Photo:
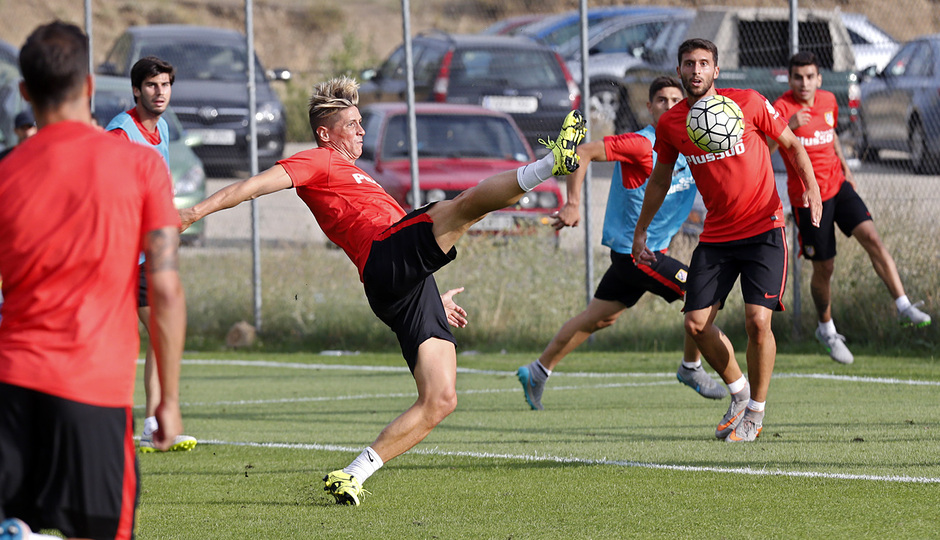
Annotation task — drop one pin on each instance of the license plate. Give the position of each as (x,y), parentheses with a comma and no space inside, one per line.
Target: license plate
(512,104)
(215,137)
(497,221)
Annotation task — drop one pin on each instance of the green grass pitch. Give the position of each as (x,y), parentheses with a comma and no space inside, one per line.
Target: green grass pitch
(621,451)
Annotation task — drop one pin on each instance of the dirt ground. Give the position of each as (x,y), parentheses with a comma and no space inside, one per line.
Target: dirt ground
(313,37)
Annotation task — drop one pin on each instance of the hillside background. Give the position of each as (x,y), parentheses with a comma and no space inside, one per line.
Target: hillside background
(321,37)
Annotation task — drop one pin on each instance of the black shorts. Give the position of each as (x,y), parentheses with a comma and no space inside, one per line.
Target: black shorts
(846,209)
(142,288)
(626,282)
(760,260)
(399,282)
(67,465)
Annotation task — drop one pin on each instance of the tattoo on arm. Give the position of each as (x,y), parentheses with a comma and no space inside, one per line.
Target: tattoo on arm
(162,249)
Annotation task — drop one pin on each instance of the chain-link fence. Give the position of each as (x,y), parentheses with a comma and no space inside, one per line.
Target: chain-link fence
(886,80)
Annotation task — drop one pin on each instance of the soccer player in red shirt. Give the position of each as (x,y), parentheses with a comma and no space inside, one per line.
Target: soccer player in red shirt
(396,254)
(79,206)
(152,84)
(743,233)
(812,114)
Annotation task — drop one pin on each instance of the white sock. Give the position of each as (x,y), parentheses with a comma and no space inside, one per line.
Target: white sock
(737,385)
(150,425)
(535,173)
(902,302)
(827,328)
(756,406)
(363,466)
(692,365)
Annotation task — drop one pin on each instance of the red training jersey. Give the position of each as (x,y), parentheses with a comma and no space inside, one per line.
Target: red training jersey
(77,203)
(631,149)
(153,137)
(818,137)
(349,205)
(737,186)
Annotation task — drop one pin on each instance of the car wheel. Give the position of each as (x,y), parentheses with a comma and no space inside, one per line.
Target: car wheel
(922,161)
(863,150)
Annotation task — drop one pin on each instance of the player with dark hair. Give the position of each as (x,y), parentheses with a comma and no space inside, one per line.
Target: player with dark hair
(625,283)
(743,233)
(79,207)
(152,83)
(396,254)
(812,113)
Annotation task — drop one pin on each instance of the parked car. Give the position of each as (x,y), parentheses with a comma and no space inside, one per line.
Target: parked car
(618,46)
(458,146)
(210,94)
(113,95)
(558,29)
(899,106)
(11,102)
(509,74)
(510,26)
(872,45)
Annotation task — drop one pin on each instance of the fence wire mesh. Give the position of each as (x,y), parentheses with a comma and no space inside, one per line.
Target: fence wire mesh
(879,58)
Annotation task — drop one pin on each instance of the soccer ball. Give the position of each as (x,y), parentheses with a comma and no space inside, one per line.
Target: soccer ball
(715,123)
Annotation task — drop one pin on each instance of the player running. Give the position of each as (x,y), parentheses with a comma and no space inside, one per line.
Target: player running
(812,113)
(396,253)
(625,283)
(743,233)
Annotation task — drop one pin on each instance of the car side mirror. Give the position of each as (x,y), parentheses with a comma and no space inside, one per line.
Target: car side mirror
(279,74)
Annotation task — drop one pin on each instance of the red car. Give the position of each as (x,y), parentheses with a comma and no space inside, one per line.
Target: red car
(458,146)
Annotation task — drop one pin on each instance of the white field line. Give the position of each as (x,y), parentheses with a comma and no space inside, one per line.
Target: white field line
(402,369)
(583,461)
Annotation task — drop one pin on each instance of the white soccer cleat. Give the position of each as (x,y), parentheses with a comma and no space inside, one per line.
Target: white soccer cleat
(913,316)
(835,344)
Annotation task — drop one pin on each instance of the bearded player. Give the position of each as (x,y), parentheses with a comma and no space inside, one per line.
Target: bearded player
(743,235)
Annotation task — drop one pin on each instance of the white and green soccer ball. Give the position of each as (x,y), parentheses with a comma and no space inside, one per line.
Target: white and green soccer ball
(715,123)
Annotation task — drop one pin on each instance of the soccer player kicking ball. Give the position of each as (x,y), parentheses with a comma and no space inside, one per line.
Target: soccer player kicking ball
(624,282)
(812,114)
(743,233)
(396,254)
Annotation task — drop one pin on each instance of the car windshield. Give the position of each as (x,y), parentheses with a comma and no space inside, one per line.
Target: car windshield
(204,61)
(455,136)
(512,68)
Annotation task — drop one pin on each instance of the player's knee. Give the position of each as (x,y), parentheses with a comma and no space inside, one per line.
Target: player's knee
(604,323)
(694,328)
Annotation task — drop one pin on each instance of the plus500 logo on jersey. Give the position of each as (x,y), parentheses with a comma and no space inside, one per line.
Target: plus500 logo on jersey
(701,159)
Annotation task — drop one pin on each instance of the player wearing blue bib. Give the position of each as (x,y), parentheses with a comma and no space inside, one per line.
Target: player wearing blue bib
(625,282)
(152,83)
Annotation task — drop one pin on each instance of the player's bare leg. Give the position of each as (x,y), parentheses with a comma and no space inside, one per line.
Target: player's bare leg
(598,315)
(713,343)
(881,260)
(820,288)
(761,349)
(436,380)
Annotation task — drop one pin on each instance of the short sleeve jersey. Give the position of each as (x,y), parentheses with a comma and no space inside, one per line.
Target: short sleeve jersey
(349,205)
(737,186)
(634,157)
(77,204)
(818,137)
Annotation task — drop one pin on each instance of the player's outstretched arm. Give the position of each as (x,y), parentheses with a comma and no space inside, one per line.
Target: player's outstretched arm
(271,180)
(846,171)
(456,315)
(570,213)
(791,145)
(167,327)
(656,188)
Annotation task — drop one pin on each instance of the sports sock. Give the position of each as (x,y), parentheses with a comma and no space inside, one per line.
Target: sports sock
(827,328)
(538,372)
(692,365)
(902,302)
(365,465)
(737,386)
(150,425)
(756,406)
(535,173)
